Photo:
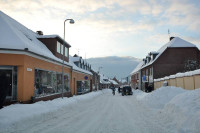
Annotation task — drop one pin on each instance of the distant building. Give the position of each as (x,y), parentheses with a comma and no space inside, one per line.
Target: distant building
(104,82)
(170,59)
(115,79)
(84,84)
(95,80)
(113,83)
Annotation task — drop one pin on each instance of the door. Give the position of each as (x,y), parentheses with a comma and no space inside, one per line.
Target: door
(6,79)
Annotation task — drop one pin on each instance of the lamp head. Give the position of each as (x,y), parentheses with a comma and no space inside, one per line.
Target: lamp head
(71,21)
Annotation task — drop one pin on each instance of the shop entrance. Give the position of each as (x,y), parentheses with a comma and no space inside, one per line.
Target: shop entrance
(8,79)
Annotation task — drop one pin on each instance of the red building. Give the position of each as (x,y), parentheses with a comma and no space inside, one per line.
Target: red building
(176,56)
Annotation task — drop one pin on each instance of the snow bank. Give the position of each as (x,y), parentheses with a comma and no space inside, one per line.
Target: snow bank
(158,98)
(175,108)
(18,112)
(184,110)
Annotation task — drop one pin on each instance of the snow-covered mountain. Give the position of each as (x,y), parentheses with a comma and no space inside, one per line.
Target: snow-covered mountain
(114,66)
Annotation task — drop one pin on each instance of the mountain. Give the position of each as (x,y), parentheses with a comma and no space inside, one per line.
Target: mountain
(114,66)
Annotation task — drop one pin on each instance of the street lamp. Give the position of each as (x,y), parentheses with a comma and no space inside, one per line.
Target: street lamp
(71,21)
(99,69)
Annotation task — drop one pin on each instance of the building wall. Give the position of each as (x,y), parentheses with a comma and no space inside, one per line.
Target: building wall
(135,80)
(173,60)
(77,76)
(25,83)
(51,44)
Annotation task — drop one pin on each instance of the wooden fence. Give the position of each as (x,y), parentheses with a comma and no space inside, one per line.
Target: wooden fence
(189,80)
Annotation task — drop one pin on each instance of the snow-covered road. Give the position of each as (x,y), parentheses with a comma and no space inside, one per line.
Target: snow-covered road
(106,113)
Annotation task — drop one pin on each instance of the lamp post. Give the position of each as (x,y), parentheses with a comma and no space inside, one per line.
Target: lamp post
(99,69)
(71,21)
(99,75)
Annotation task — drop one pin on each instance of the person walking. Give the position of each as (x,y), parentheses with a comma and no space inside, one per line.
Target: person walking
(113,91)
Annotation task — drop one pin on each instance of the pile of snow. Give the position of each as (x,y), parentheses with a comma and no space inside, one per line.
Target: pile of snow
(183,112)
(158,98)
(17,112)
(174,107)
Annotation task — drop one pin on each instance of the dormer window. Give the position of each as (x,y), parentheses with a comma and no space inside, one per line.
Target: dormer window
(66,51)
(61,49)
(58,47)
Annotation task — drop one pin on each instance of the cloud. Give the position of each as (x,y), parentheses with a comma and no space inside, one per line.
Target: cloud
(183,13)
(134,26)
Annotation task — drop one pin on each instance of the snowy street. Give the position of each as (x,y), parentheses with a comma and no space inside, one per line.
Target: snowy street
(101,112)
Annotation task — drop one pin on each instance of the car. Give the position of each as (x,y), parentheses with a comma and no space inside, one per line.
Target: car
(127,90)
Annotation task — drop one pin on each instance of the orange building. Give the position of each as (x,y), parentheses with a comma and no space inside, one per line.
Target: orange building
(31,64)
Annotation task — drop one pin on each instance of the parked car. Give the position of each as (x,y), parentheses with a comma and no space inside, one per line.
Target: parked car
(127,90)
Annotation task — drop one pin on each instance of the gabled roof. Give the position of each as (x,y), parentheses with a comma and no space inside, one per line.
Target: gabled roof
(138,67)
(76,59)
(71,61)
(15,36)
(176,42)
(113,82)
(103,78)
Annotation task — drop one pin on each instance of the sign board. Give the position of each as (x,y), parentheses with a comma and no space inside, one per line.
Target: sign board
(144,78)
(29,69)
(86,77)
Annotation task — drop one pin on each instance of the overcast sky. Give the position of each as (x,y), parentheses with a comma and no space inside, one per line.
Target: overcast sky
(110,27)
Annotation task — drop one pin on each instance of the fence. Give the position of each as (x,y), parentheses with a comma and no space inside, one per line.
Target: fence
(188,80)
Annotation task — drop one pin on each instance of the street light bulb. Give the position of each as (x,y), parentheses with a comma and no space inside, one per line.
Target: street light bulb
(71,21)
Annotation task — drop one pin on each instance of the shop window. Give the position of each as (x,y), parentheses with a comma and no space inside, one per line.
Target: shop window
(49,82)
(83,86)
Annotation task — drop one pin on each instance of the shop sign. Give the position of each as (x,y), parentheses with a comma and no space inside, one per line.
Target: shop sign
(86,77)
(29,69)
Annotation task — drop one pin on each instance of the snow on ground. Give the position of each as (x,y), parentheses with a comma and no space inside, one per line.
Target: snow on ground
(165,110)
(18,112)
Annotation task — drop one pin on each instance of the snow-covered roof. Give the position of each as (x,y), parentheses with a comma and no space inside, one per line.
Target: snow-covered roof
(71,61)
(153,52)
(104,79)
(176,42)
(113,82)
(76,59)
(138,67)
(15,36)
(54,36)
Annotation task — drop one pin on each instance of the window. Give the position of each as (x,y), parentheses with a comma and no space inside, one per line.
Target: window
(49,82)
(61,49)
(58,47)
(66,51)
(146,72)
(149,71)
(83,86)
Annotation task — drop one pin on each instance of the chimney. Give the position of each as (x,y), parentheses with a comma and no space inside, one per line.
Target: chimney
(171,38)
(39,32)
